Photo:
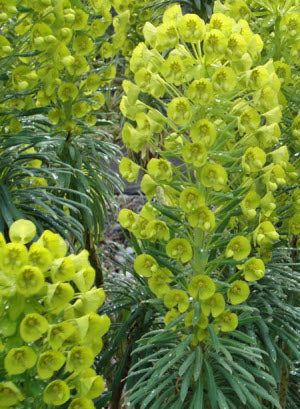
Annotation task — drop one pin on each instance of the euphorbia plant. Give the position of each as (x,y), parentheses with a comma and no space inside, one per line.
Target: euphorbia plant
(50,329)
(211,222)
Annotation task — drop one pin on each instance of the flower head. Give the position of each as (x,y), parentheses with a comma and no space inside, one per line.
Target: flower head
(158,282)
(214,305)
(214,175)
(194,153)
(177,297)
(191,199)
(32,327)
(191,28)
(79,358)
(179,110)
(203,218)
(253,159)
(56,393)
(22,231)
(18,360)
(227,321)
(253,269)
(238,248)
(10,395)
(203,131)
(202,286)
(49,362)
(129,170)
(238,292)
(29,280)
(145,265)
(179,249)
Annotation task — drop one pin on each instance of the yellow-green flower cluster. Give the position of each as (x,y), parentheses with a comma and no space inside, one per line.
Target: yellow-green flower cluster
(221,117)
(58,43)
(50,330)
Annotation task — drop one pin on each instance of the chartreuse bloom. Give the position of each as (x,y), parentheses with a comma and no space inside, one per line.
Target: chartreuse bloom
(248,122)
(49,362)
(194,153)
(180,110)
(160,169)
(58,296)
(82,403)
(294,223)
(134,139)
(238,292)
(59,333)
(265,233)
(202,286)
(22,231)
(62,269)
(191,28)
(202,218)
(215,44)
(224,80)
(200,91)
(249,204)
(10,395)
(13,257)
(79,358)
(56,393)
(84,278)
(238,248)
(214,175)
(267,204)
(253,159)
(157,230)
(67,91)
(177,297)
(227,321)
(203,131)
(166,36)
(129,170)
(214,305)
(145,265)
(180,250)
(32,327)
(191,199)
(158,282)
(173,70)
(127,218)
(253,269)
(54,243)
(29,280)
(91,300)
(89,384)
(18,360)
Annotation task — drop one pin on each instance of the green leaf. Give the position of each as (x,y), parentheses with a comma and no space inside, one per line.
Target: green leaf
(198,363)
(221,400)
(187,363)
(186,383)
(197,402)
(211,385)
(214,338)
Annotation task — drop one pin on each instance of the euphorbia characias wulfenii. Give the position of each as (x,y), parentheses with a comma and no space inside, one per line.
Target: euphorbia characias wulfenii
(220,112)
(50,330)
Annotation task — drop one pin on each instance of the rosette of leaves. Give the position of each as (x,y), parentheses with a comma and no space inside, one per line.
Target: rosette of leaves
(50,329)
(210,225)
